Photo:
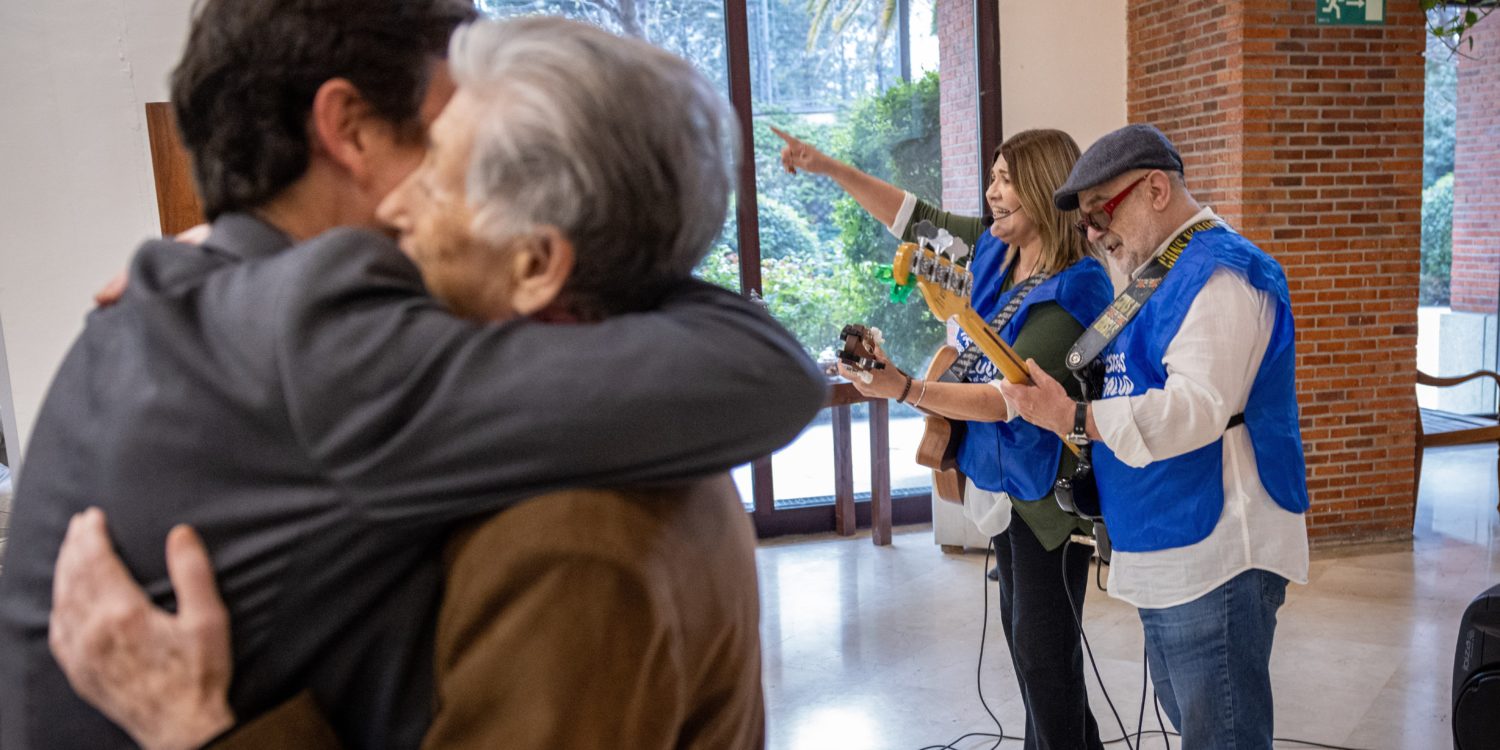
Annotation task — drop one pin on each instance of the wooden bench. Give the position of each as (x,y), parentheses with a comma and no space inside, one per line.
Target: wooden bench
(1438,428)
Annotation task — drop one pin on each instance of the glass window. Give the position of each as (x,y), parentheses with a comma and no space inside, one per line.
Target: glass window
(1457,331)
(693,29)
(844,89)
(859,81)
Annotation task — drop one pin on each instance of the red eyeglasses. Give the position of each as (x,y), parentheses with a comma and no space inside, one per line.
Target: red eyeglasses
(1099,220)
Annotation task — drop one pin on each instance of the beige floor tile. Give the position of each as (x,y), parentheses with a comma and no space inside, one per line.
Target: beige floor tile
(871,647)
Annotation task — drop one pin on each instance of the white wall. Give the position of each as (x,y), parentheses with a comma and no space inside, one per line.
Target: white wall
(1062,65)
(76,192)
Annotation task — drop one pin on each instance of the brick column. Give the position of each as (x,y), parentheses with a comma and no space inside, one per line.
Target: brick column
(1308,139)
(959,95)
(1476,174)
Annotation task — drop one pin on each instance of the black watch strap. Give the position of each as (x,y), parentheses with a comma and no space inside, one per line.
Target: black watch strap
(1080,433)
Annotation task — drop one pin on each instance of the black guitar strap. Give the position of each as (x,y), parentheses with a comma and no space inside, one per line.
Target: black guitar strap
(1125,307)
(964,366)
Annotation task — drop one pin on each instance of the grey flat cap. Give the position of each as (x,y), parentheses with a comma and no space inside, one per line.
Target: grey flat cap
(1130,147)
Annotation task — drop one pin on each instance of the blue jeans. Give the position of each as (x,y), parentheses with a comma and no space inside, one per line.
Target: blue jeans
(1211,662)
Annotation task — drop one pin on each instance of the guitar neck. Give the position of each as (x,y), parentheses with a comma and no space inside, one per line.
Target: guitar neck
(1005,358)
(945,305)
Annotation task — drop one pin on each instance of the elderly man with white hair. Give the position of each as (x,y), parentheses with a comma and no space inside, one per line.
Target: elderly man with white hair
(575,179)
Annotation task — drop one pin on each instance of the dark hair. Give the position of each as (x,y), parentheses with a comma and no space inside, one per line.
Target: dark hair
(244,88)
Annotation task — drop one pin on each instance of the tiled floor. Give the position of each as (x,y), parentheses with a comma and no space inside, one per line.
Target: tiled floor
(876,647)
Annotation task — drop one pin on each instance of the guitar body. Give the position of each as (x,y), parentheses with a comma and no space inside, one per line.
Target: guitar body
(938,449)
(1079,494)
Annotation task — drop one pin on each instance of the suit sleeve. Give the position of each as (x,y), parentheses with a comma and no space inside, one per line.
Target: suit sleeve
(424,418)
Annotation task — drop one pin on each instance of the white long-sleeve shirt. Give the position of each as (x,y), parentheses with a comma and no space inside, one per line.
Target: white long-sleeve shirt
(1211,364)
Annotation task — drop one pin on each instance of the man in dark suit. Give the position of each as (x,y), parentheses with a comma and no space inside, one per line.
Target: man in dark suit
(321,420)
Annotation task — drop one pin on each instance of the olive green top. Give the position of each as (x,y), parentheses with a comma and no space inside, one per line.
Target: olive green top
(1046,337)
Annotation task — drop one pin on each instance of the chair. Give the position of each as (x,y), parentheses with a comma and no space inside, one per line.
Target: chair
(1436,427)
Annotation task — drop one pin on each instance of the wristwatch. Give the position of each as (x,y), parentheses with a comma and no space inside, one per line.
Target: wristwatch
(1080,433)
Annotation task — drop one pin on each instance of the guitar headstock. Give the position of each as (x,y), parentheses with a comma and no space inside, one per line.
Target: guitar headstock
(939,266)
(858,352)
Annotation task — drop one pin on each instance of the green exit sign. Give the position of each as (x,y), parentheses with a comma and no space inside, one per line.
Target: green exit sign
(1351,12)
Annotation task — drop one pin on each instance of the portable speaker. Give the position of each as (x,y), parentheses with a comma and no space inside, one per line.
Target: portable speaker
(1476,675)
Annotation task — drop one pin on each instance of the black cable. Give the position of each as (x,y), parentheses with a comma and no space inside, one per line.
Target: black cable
(1124,737)
(984,630)
(1156,704)
(1310,743)
(1148,733)
(1140,718)
(1073,610)
(951,745)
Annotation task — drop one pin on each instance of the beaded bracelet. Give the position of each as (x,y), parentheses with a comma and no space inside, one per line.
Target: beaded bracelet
(905,390)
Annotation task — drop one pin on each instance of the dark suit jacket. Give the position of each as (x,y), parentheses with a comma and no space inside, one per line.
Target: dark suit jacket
(324,424)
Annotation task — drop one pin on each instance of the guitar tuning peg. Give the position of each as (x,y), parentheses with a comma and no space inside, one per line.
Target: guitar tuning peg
(924,230)
(942,241)
(959,250)
(759,300)
(962,283)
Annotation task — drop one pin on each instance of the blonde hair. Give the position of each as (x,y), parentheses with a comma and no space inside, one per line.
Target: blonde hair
(1039,162)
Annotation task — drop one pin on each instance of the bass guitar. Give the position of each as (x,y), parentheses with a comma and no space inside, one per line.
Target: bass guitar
(943,277)
(939,269)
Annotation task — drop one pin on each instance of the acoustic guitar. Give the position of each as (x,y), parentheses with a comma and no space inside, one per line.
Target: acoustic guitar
(938,449)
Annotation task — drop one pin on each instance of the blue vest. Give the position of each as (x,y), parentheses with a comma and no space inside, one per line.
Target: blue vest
(1017,457)
(1177,501)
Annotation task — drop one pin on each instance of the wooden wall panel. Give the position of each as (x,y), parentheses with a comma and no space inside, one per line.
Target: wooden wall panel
(176,198)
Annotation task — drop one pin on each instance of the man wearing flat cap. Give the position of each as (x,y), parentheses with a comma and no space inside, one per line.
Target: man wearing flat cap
(1193,431)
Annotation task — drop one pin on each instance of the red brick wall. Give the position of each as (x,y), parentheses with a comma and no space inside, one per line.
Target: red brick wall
(1308,139)
(1476,174)
(959,94)
(1181,80)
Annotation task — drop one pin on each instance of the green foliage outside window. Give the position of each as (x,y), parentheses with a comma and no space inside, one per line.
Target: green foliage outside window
(1440,114)
(1440,99)
(819,249)
(1437,241)
(893,136)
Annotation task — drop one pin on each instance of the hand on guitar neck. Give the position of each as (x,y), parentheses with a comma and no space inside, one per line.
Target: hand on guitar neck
(866,365)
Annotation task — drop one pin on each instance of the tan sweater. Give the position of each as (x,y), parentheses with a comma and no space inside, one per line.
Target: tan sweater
(590,619)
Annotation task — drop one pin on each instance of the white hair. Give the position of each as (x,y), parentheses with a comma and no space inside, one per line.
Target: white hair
(622,146)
